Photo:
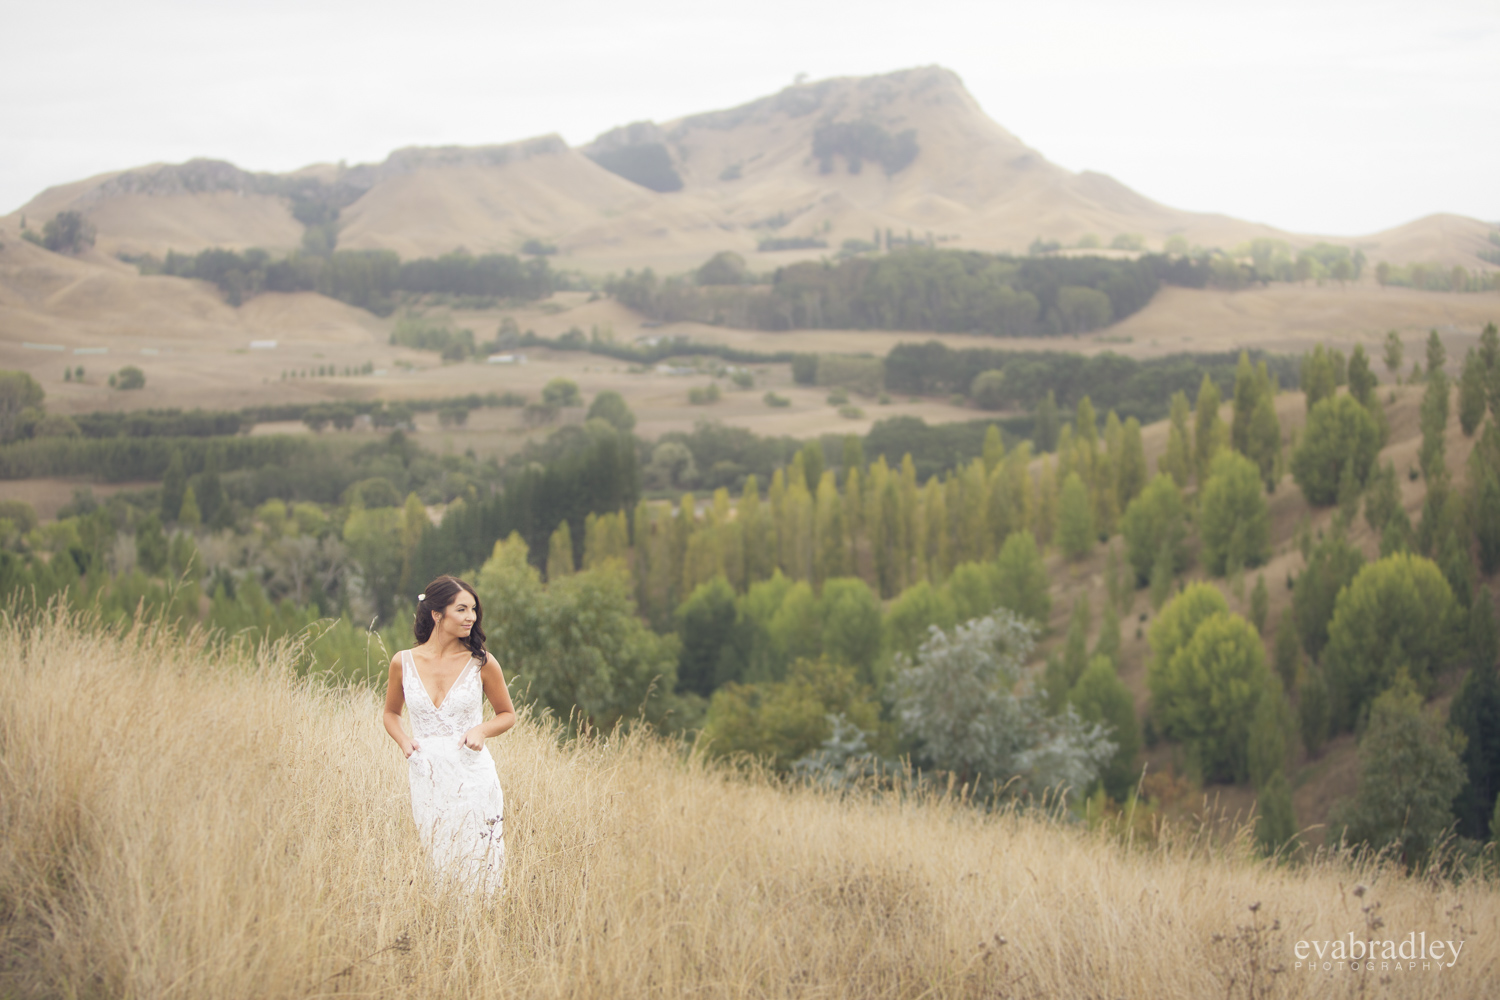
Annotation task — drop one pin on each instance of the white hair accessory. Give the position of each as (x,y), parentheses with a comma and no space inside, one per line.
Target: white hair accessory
(421,597)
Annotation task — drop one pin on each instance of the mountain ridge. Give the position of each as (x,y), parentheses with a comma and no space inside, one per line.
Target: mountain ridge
(823,161)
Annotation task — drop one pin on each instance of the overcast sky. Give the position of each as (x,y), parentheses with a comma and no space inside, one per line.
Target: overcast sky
(1339,118)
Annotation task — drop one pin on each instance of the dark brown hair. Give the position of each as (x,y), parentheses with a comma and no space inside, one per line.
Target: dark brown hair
(438,595)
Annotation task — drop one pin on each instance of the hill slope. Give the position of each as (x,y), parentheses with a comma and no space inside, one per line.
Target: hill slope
(288,864)
(830,160)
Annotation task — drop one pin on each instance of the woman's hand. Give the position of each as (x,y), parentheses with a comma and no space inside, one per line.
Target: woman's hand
(412,749)
(474,738)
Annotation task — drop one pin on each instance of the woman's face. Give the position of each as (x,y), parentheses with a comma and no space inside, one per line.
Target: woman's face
(457,619)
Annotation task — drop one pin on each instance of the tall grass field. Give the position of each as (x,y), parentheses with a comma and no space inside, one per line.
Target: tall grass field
(177,821)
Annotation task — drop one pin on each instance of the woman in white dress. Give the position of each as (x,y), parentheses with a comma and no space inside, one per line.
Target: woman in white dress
(443,681)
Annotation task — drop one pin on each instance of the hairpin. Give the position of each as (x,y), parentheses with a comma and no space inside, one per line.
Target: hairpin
(421,597)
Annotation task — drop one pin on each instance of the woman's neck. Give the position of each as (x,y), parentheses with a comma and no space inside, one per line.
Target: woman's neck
(442,646)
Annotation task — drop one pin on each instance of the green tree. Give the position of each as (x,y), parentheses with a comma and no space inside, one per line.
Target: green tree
(1209,693)
(1260,604)
(1022,584)
(1382,497)
(18,392)
(1177,460)
(1247,395)
(1263,445)
(68,232)
(1397,613)
(610,406)
(560,552)
(561,392)
(1334,563)
(1437,354)
(578,641)
(1319,376)
(706,627)
(1362,380)
(1131,471)
(173,486)
(781,722)
(1155,519)
(373,537)
(1489,356)
(1393,352)
(1162,575)
(851,634)
(988,390)
(188,515)
(1409,773)
(1434,419)
(919,608)
(1472,398)
(1276,823)
(1048,423)
(1235,521)
(1287,651)
(1208,429)
(1487,520)
(1075,519)
(1063,671)
(1476,714)
(1173,627)
(150,545)
(1338,430)
(1100,696)
(993,451)
(129,377)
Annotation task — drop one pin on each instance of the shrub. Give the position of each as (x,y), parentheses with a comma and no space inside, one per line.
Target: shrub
(956,701)
(772,399)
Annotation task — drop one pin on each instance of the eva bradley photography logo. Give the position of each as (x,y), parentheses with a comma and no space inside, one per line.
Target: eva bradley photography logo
(1413,953)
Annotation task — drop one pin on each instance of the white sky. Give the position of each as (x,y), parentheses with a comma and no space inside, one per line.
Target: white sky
(1339,118)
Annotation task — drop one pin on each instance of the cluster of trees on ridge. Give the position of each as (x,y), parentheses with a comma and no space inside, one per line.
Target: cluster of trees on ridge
(911,289)
(366,279)
(815,599)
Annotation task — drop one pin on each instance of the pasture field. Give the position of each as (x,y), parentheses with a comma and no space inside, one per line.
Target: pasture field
(216,827)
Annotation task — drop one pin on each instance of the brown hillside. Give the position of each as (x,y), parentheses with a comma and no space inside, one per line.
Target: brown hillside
(747,173)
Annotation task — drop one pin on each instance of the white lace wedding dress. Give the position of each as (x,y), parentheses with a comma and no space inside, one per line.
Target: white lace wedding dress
(455,792)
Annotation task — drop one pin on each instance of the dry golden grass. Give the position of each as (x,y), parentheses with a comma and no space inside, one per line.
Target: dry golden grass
(178,823)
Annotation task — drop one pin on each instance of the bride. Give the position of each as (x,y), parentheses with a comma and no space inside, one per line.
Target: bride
(443,681)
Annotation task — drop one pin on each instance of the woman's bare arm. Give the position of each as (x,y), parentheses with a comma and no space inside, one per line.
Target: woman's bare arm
(395,700)
(499,696)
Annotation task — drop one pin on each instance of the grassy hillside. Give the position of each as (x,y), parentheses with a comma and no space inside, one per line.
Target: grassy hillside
(908,155)
(187,825)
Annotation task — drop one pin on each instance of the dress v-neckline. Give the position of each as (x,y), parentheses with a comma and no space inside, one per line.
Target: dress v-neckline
(437,706)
